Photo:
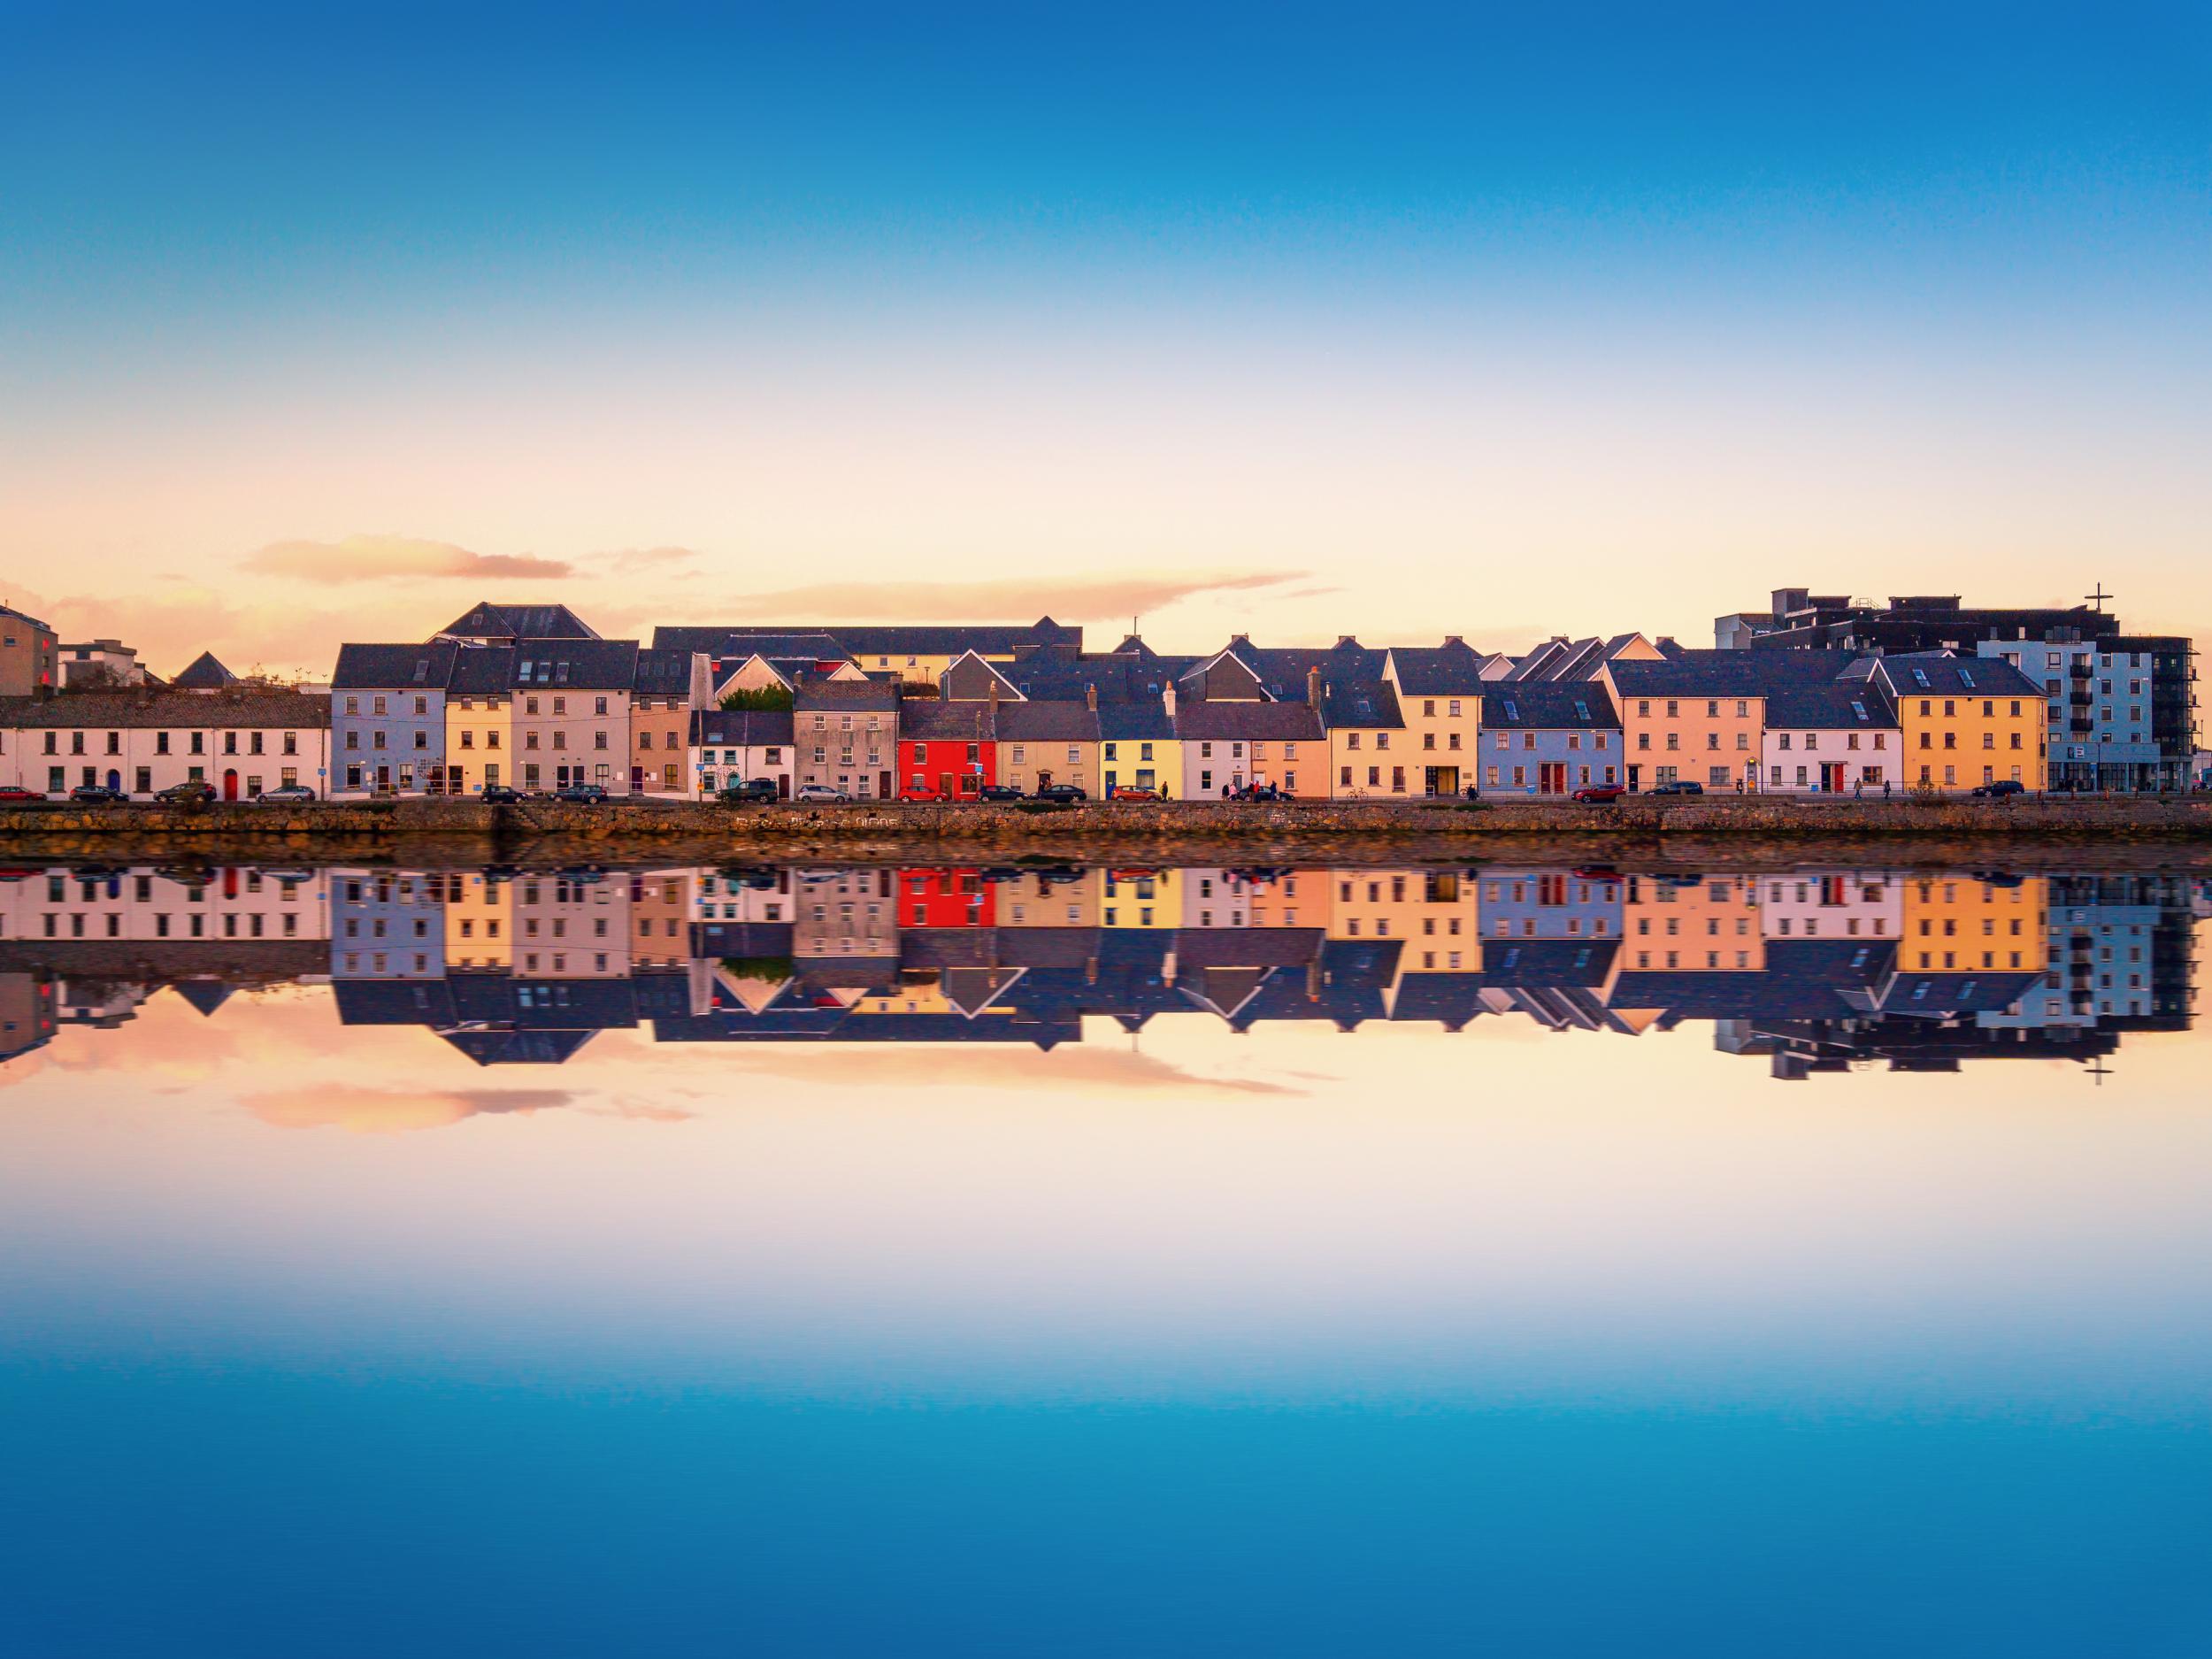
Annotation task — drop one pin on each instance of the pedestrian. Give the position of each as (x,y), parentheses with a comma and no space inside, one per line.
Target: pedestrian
(1885,788)
(1858,790)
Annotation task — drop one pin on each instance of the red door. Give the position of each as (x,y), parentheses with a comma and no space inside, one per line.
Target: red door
(230,784)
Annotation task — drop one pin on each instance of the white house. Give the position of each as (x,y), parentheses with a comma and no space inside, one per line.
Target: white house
(239,739)
(730,746)
(1839,737)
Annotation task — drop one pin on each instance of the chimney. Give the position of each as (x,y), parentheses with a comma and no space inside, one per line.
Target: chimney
(993,696)
(1313,687)
(1344,640)
(1454,639)
(1090,698)
(1167,696)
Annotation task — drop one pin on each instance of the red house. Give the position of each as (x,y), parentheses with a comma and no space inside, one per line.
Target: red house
(946,746)
(946,898)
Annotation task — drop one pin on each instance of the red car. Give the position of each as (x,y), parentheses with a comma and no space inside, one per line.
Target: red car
(1134,792)
(1600,792)
(922,796)
(13,795)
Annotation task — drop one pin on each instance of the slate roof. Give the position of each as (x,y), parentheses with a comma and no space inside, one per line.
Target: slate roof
(1544,705)
(1255,722)
(1046,722)
(1365,703)
(1451,670)
(593,664)
(663,673)
(1135,722)
(484,620)
(424,667)
(933,719)
(847,694)
(1948,675)
(1727,673)
(204,673)
(895,642)
(483,670)
(1060,672)
(143,707)
(742,728)
(1847,704)
(23,615)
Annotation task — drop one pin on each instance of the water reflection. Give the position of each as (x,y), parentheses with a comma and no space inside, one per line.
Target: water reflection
(1812,968)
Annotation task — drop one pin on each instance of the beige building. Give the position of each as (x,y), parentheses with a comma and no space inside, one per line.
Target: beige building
(670,689)
(479,722)
(1438,691)
(29,656)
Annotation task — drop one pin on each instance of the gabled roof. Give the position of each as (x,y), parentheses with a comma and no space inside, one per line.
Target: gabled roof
(1135,722)
(204,673)
(663,673)
(988,667)
(1452,669)
(1950,675)
(1846,704)
(481,671)
(1254,722)
(742,728)
(847,693)
(394,667)
(1547,705)
(593,664)
(1726,673)
(485,621)
(896,643)
(933,719)
(1046,722)
(1359,703)
(144,707)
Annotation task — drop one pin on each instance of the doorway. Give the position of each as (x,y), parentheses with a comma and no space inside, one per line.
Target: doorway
(230,783)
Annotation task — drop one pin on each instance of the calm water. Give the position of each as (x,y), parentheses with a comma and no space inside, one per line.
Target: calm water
(834,1261)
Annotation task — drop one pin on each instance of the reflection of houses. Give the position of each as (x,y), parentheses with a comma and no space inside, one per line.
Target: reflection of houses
(1817,972)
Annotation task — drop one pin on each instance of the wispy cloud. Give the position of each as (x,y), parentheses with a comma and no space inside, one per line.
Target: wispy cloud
(629,560)
(362,558)
(1014,599)
(363,1110)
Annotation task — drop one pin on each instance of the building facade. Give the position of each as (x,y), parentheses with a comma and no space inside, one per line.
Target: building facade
(239,741)
(1548,738)
(388,718)
(1964,721)
(846,736)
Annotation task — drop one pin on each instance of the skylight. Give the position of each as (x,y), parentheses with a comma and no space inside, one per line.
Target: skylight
(1966,679)
(1921,674)
(1582,710)
(1511,712)
(1858,708)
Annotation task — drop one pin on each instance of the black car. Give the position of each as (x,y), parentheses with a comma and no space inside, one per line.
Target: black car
(1680,785)
(194,789)
(500,795)
(2000,789)
(1256,792)
(998,792)
(747,790)
(581,793)
(1064,792)
(97,794)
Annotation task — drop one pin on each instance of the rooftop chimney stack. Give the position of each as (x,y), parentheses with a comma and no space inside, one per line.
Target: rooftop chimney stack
(1313,688)
(1090,698)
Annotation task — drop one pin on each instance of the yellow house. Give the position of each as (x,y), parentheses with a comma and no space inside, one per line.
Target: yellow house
(479,722)
(1966,721)
(1965,924)
(1138,747)
(479,928)
(1436,911)
(1048,898)
(1439,699)
(1141,898)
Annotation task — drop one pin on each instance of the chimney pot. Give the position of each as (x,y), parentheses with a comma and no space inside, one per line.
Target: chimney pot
(1313,688)
(1090,698)
(1454,639)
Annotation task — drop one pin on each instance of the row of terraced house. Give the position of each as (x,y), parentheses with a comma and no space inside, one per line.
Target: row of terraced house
(1820,696)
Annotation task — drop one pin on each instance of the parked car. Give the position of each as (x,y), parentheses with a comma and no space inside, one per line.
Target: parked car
(581,793)
(822,794)
(1680,785)
(747,790)
(1600,792)
(500,795)
(1256,792)
(288,792)
(12,796)
(2000,789)
(1064,792)
(998,792)
(924,796)
(1136,792)
(97,794)
(192,790)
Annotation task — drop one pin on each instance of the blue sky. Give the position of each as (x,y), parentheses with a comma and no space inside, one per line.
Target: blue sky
(965,234)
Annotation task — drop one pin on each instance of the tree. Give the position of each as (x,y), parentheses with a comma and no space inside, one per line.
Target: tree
(767,697)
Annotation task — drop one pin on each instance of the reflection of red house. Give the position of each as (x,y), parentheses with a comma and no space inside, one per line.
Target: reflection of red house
(946,898)
(946,746)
